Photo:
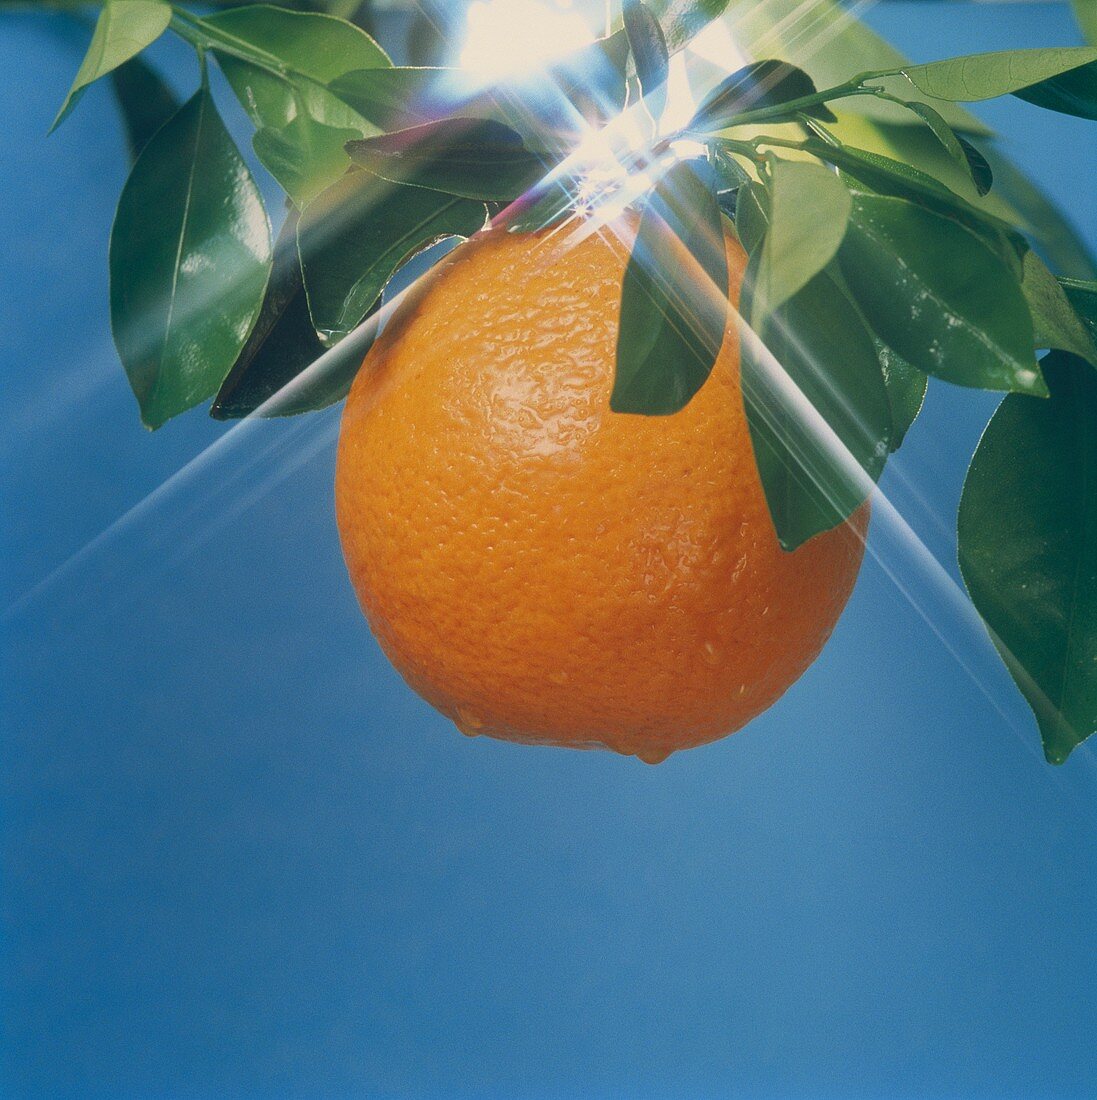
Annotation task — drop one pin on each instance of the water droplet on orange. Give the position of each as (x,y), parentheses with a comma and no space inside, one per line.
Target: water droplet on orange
(653,755)
(468,723)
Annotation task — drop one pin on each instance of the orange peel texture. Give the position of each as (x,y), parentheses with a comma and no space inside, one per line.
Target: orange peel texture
(542,569)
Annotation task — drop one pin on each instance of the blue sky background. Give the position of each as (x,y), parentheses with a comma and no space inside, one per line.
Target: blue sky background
(241,858)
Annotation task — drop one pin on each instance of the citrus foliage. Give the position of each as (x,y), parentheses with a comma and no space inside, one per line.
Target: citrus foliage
(868,271)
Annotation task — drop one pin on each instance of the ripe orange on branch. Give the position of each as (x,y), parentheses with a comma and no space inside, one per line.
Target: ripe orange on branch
(542,569)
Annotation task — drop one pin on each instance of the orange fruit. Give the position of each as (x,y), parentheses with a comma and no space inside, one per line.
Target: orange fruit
(542,569)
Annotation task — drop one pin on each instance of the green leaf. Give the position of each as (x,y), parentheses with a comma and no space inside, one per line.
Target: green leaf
(674,304)
(752,216)
(124,29)
(935,292)
(304,156)
(1061,244)
(268,376)
(190,253)
(1073,93)
(145,101)
(313,49)
(1056,323)
(1028,548)
(981,173)
(824,40)
(988,75)
(398,97)
(1082,296)
(809,210)
(471,157)
(354,236)
(752,88)
(961,150)
(818,412)
(1085,11)
(906,388)
(648,45)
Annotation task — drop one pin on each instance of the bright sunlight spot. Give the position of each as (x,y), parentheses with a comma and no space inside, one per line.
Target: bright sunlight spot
(507,37)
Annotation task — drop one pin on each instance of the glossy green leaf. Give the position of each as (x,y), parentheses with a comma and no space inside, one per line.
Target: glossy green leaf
(357,233)
(190,253)
(1028,548)
(752,88)
(1054,319)
(145,101)
(893,177)
(674,304)
(888,176)
(648,45)
(1073,93)
(817,407)
(123,30)
(935,292)
(269,376)
(809,210)
(312,48)
(471,157)
(906,389)
(988,75)
(304,156)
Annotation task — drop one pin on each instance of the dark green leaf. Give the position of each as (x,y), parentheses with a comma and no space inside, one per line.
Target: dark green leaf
(648,45)
(1073,93)
(753,87)
(981,173)
(124,29)
(1028,548)
(809,209)
(988,75)
(471,157)
(752,215)
(906,392)
(1082,295)
(357,233)
(190,253)
(674,304)
(960,149)
(936,293)
(817,406)
(312,48)
(145,100)
(1056,323)
(269,375)
(304,156)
